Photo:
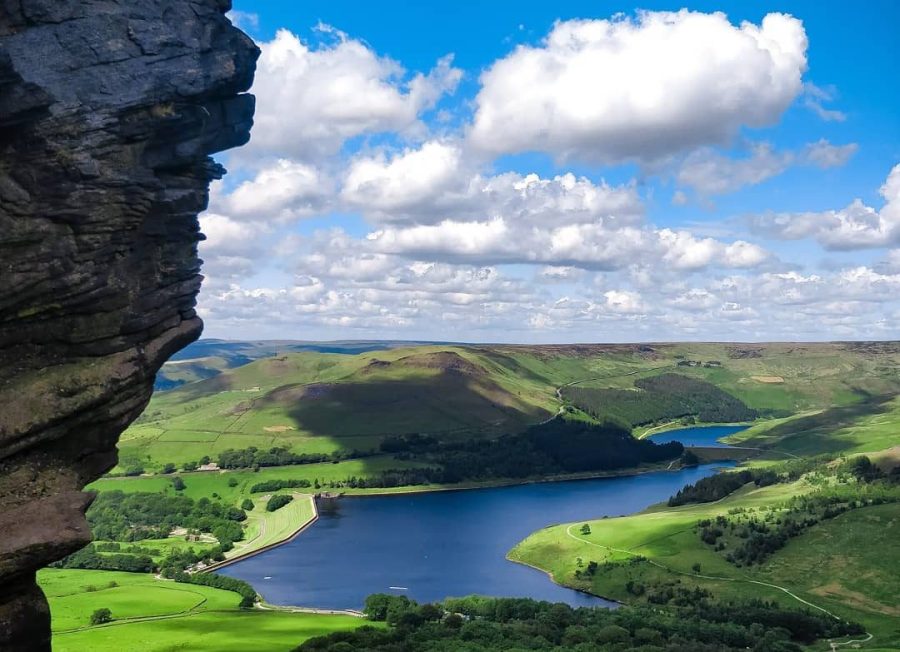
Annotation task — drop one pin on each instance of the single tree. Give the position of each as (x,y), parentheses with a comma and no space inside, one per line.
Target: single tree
(101,616)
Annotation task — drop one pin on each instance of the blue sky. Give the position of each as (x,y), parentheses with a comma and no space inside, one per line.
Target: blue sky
(589,172)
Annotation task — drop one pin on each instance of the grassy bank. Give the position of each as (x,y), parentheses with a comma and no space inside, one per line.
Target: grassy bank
(266,529)
(156,615)
(847,565)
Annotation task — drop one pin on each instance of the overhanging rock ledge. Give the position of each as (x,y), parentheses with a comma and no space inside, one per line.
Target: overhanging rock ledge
(109,110)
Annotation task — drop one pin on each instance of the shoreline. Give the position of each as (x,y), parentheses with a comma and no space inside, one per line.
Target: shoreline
(413,490)
(575,477)
(615,603)
(665,428)
(429,489)
(569,477)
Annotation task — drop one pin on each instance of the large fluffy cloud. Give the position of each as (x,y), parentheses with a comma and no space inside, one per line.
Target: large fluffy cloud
(309,101)
(593,246)
(611,90)
(279,192)
(857,226)
(436,182)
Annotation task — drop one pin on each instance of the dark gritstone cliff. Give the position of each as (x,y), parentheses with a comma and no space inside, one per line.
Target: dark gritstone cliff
(109,110)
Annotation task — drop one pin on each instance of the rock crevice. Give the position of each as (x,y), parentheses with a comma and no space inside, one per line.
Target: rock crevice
(109,111)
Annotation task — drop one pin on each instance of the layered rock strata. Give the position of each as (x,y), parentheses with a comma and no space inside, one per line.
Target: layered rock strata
(109,110)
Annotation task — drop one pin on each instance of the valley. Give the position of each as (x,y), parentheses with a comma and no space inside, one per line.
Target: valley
(391,421)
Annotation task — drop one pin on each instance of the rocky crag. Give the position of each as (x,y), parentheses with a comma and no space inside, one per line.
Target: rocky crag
(109,110)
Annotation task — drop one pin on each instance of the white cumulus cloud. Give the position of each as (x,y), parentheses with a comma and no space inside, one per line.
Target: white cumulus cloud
(613,90)
(436,182)
(309,101)
(857,226)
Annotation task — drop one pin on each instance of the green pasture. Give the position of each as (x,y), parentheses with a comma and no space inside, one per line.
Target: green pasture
(160,615)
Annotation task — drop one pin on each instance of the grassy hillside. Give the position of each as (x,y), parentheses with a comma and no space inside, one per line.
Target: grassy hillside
(156,615)
(318,403)
(847,565)
(869,425)
(210,357)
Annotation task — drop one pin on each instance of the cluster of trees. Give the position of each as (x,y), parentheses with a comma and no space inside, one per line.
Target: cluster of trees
(716,487)
(120,516)
(275,485)
(664,397)
(487,624)
(278,501)
(192,466)
(247,593)
(558,446)
(747,537)
(179,559)
(252,457)
(89,557)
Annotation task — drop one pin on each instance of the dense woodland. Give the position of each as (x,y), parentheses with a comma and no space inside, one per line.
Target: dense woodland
(120,516)
(660,398)
(556,447)
(480,624)
(116,516)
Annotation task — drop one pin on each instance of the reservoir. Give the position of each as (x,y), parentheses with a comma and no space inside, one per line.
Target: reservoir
(430,546)
(702,436)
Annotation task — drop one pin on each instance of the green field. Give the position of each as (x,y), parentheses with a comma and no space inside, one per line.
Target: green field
(202,483)
(160,615)
(849,565)
(265,528)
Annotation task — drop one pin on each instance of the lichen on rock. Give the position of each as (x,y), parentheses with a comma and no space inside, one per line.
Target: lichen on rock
(109,111)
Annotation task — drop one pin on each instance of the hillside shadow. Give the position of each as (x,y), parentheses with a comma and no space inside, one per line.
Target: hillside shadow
(817,433)
(449,404)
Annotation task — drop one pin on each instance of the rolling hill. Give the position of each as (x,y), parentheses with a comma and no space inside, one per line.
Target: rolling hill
(321,402)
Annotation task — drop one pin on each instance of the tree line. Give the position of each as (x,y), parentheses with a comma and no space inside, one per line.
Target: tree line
(252,457)
(486,624)
(556,447)
(120,516)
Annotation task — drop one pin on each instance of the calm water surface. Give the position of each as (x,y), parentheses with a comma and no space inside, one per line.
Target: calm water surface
(451,543)
(702,436)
